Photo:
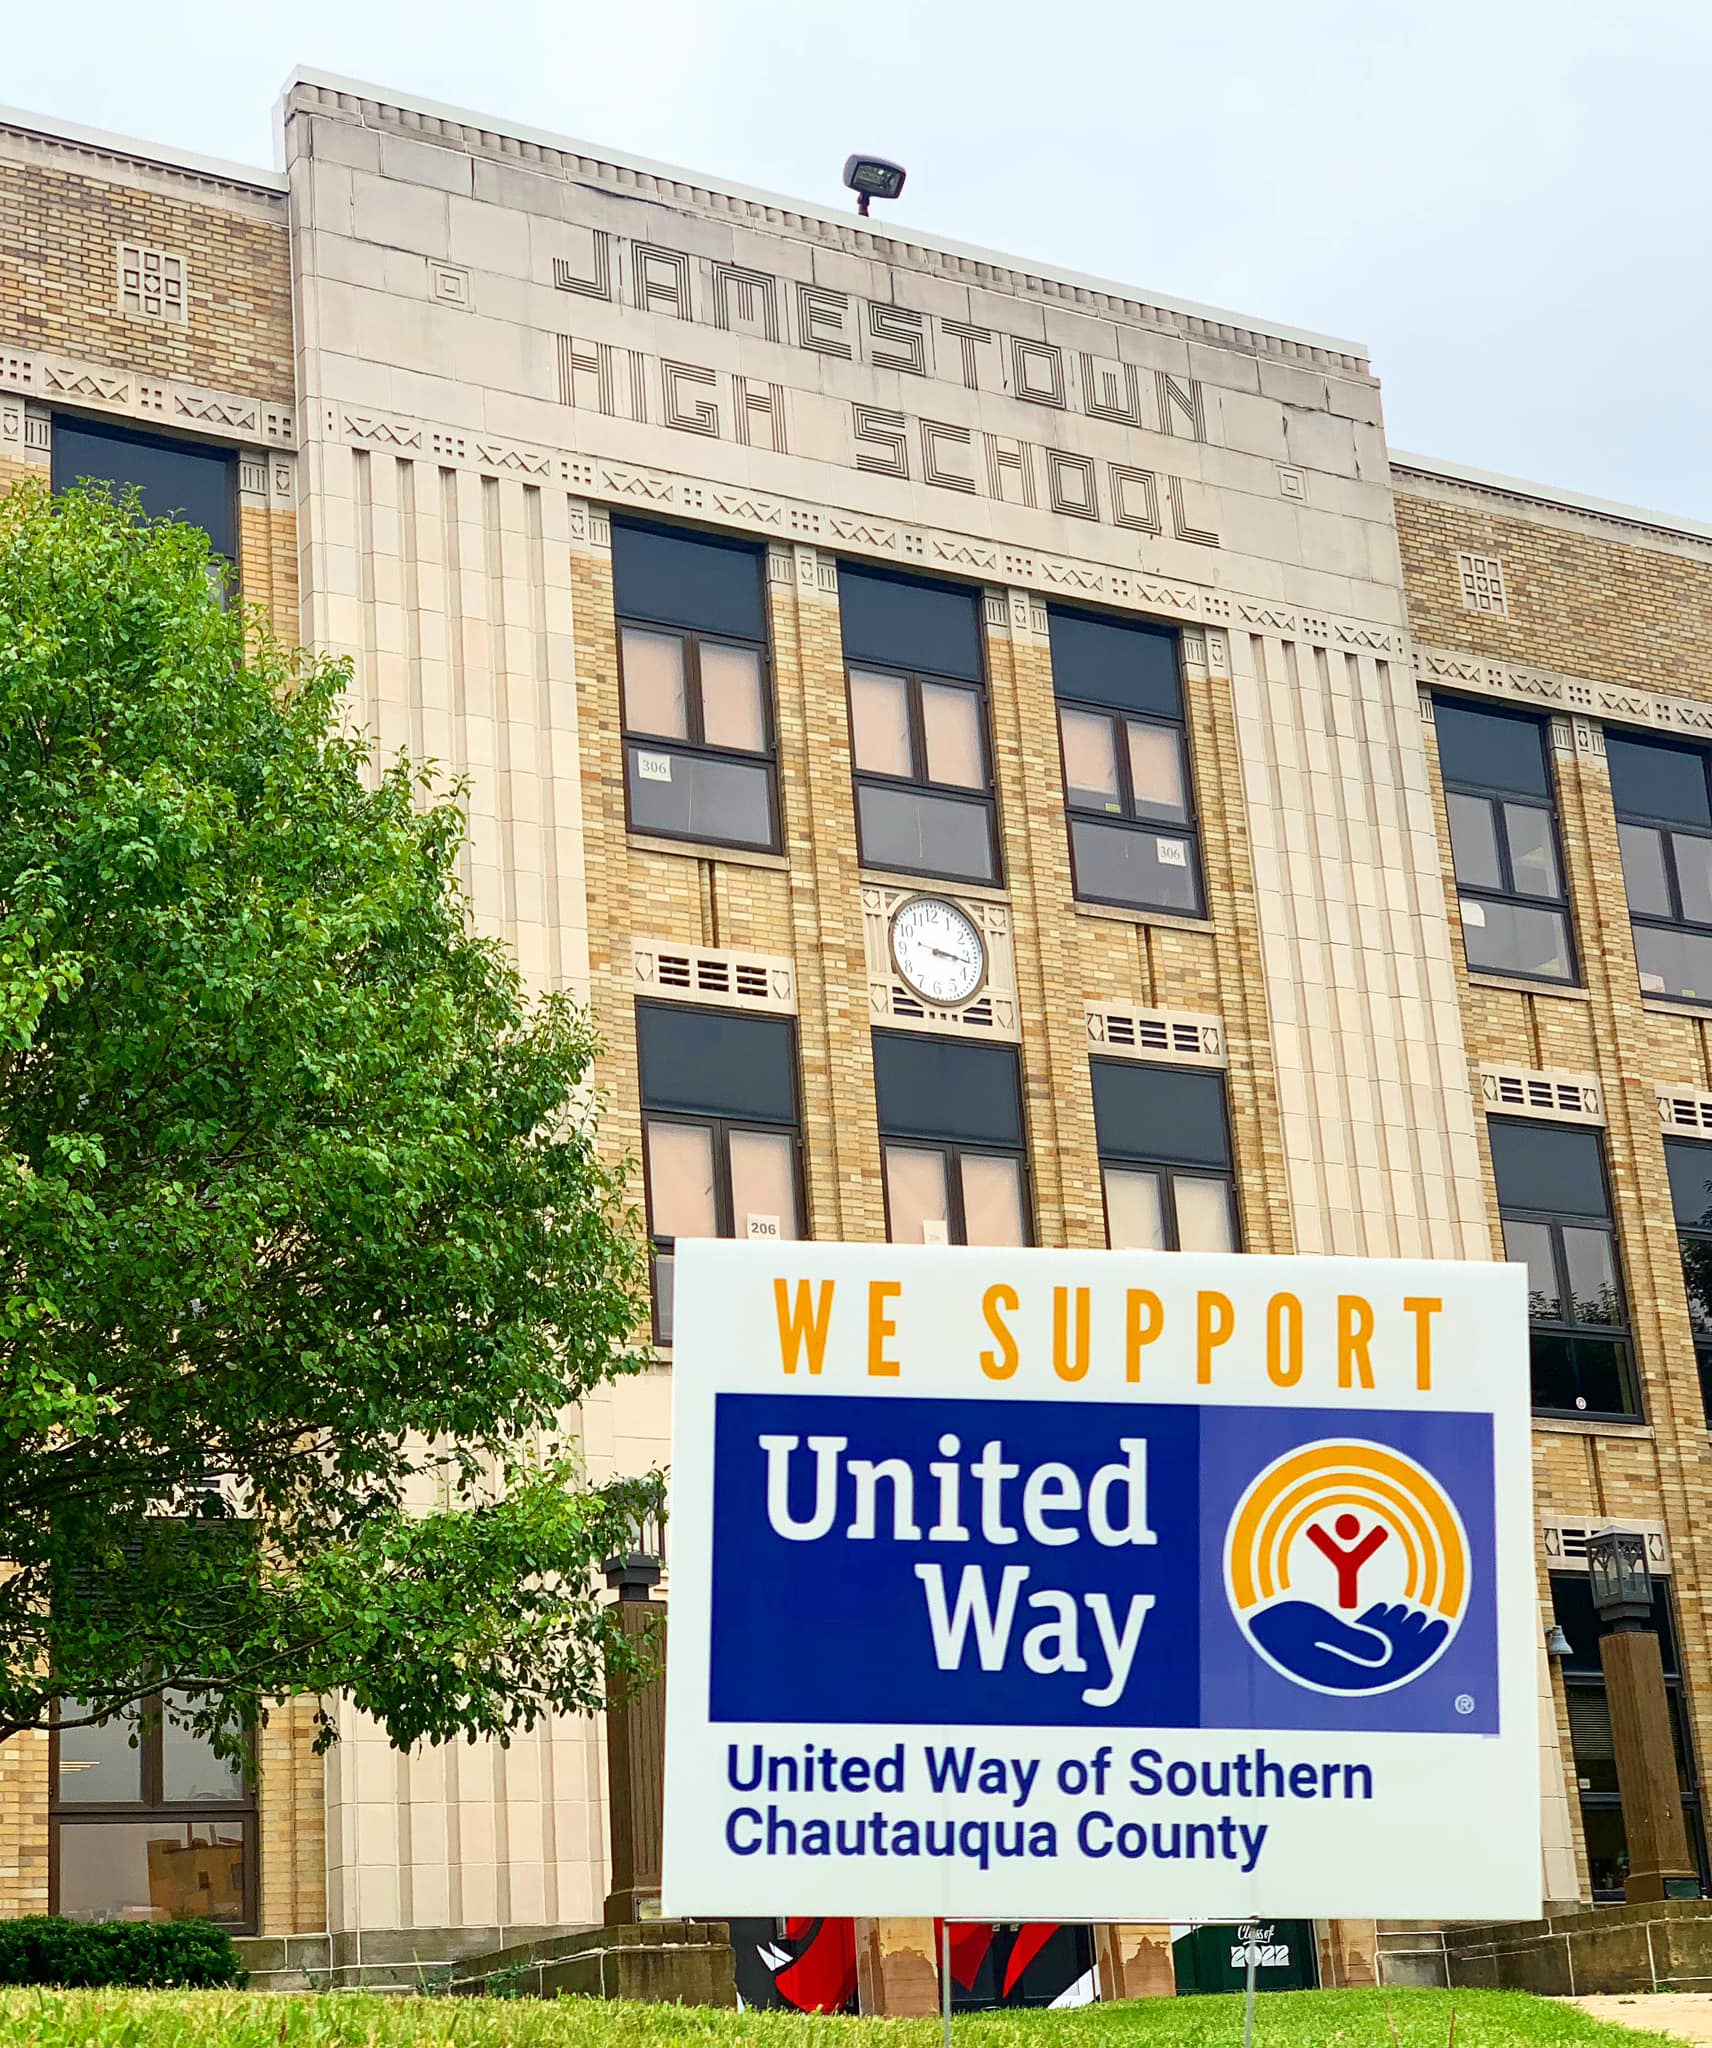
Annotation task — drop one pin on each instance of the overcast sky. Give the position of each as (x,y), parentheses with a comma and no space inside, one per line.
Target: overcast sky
(1506,201)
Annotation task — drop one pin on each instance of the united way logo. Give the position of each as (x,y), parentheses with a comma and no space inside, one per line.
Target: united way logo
(1347,1567)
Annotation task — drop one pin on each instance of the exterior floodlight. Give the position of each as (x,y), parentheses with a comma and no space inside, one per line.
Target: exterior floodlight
(872,177)
(1558,1646)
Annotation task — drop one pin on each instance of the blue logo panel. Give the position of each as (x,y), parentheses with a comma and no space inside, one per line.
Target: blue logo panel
(1110,1565)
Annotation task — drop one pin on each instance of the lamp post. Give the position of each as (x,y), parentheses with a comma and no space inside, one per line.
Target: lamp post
(636,1735)
(1659,1863)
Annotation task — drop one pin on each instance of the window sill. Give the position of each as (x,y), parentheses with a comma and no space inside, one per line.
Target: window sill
(930,885)
(1669,1006)
(698,849)
(1523,985)
(1569,1425)
(1168,920)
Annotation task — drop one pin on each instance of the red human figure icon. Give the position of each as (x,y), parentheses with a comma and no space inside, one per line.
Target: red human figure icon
(1347,1556)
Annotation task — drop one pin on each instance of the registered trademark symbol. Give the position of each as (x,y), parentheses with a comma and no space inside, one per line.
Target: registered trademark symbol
(1464,1703)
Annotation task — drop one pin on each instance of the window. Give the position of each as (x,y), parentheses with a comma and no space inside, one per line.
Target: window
(1664,830)
(951,1135)
(1590,1731)
(1504,841)
(175,479)
(1126,763)
(918,726)
(692,657)
(719,1131)
(1164,1158)
(149,1824)
(1556,1214)
(1690,1168)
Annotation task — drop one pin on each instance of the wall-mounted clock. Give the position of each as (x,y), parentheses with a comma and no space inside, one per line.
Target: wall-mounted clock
(938,950)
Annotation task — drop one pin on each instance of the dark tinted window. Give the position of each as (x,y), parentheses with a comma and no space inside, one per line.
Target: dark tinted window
(1175,1114)
(1102,661)
(944,1088)
(1690,1167)
(1575,1614)
(175,479)
(687,579)
(1491,749)
(1549,1167)
(909,622)
(720,1063)
(1650,779)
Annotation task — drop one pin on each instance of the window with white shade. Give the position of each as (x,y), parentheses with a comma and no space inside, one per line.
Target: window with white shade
(721,1156)
(951,1139)
(1165,1158)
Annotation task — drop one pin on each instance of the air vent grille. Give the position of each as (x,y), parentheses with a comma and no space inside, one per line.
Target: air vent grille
(713,974)
(1183,1036)
(1560,1097)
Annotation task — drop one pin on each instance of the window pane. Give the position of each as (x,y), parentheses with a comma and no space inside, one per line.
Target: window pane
(717,1062)
(916,1205)
(1674,963)
(992,1200)
(1474,845)
(1090,761)
(879,720)
(189,1767)
(1514,938)
(1550,1167)
(665,1271)
(1607,1850)
(1134,865)
(764,1182)
(1530,1245)
(1581,1375)
(98,1766)
(1135,1214)
(1533,853)
(680,1180)
(1203,1214)
(951,726)
(947,1088)
(699,796)
(1113,661)
(1592,1266)
(1654,780)
(1643,870)
(1156,772)
(654,694)
(909,622)
(1690,1168)
(928,835)
(1693,857)
(152,1870)
(1590,1739)
(176,479)
(1170,1113)
(688,579)
(733,706)
(1490,749)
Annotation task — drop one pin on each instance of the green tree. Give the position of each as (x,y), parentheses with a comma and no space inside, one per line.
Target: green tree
(305,1246)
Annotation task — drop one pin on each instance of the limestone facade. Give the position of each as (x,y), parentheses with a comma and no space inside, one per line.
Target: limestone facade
(449,355)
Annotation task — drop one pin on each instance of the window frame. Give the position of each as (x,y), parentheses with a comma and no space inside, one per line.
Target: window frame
(691,640)
(1686,1234)
(1167,1170)
(720,1125)
(1667,831)
(1496,795)
(1620,1333)
(953,1150)
(188,1812)
(1065,699)
(104,426)
(986,800)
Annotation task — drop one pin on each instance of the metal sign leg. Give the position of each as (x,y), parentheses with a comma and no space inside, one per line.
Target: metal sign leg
(1248,1998)
(945,1976)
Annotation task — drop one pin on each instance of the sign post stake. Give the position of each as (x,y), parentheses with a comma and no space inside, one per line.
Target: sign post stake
(945,1975)
(1248,1997)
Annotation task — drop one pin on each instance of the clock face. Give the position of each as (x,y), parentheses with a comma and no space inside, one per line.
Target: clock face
(938,951)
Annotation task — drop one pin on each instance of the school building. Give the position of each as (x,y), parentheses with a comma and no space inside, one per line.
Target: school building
(1008,758)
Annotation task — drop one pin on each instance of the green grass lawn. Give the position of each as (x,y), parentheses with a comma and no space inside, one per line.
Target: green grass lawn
(1292,2019)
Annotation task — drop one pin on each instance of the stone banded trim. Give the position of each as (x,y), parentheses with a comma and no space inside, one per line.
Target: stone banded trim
(126,160)
(1565,1542)
(723,976)
(308,92)
(802,527)
(146,401)
(1546,1092)
(1183,1038)
(1684,1110)
(1618,703)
